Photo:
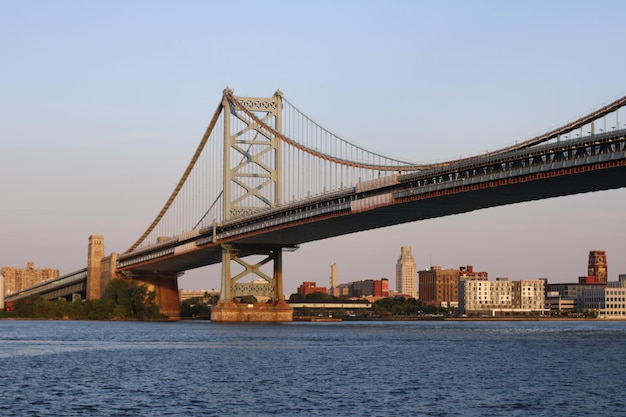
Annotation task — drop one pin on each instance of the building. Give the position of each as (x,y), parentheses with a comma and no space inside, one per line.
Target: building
(309,287)
(204,295)
(559,305)
(480,296)
(376,288)
(333,290)
(406,273)
(597,272)
(529,295)
(571,295)
(501,297)
(439,287)
(342,290)
(608,301)
(467,272)
(18,279)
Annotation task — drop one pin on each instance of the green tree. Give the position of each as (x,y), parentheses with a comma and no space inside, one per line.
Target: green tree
(319,296)
(296,297)
(130,300)
(194,307)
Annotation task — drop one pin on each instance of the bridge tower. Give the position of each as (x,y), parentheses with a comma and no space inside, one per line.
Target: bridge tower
(252,182)
(95,254)
(252,156)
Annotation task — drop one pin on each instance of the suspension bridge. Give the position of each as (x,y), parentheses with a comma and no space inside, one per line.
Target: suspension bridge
(267,178)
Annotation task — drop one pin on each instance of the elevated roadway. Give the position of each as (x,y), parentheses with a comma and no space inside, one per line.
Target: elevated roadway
(548,170)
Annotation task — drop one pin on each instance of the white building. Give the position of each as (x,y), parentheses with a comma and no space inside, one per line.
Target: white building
(406,273)
(530,293)
(501,296)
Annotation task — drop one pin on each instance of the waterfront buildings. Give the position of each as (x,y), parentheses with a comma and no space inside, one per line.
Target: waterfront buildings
(473,294)
(406,273)
(16,279)
(440,287)
(501,297)
(203,295)
(309,287)
(607,301)
(376,288)
(593,292)
(567,297)
(369,288)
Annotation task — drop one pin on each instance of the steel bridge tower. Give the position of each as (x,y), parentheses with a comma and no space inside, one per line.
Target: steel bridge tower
(252,182)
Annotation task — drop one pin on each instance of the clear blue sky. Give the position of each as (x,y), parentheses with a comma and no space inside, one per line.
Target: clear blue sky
(103,103)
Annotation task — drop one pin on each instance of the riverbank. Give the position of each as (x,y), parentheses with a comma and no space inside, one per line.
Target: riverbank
(480,319)
(317,319)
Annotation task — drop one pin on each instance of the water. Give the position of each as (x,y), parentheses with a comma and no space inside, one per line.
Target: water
(65,368)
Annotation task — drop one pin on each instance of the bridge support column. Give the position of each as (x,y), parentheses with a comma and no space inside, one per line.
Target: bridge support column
(275,309)
(165,287)
(95,254)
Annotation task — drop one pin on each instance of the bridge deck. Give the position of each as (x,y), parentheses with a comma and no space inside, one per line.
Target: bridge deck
(448,200)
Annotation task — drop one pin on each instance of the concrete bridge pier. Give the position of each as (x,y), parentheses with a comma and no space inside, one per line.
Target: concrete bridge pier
(165,287)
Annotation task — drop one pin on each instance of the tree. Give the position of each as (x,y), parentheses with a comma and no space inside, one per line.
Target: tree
(296,297)
(194,307)
(319,296)
(131,300)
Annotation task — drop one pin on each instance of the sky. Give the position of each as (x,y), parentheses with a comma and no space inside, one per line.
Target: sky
(102,105)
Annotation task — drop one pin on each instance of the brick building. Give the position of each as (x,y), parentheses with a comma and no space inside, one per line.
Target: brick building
(309,287)
(439,287)
(370,287)
(597,272)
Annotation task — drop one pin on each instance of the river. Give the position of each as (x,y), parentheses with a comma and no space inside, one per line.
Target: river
(417,368)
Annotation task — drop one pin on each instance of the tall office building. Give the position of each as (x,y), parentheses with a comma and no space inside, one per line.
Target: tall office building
(333,280)
(406,273)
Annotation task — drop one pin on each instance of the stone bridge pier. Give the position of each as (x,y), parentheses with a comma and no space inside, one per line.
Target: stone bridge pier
(102,269)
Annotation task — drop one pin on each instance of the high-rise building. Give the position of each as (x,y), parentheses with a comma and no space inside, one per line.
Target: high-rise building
(333,290)
(406,273)
(18,279)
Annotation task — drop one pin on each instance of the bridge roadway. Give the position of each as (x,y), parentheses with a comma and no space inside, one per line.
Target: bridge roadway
(567,167)
(65,286)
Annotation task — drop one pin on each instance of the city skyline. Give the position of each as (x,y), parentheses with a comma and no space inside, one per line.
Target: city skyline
(103,109)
